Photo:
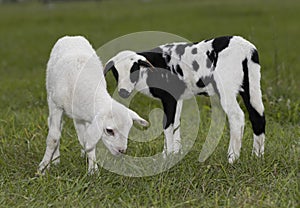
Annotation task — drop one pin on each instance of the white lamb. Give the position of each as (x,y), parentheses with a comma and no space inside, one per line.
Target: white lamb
(76,87)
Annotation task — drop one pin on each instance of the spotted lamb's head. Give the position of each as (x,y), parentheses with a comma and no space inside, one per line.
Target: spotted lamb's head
(125,67)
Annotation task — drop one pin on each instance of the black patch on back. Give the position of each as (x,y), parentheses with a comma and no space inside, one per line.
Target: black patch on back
(179,70)
(218,45)
(258,121)
(134,72)
(195,65)
(255,57)
(194,51)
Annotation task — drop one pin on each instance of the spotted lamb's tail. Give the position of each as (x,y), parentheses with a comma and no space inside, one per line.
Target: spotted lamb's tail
(252,97)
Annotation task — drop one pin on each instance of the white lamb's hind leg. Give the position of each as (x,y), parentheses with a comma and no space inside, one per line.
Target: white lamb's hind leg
(177,140)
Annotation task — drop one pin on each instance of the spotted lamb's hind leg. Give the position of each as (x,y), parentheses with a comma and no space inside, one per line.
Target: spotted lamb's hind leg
(252,97)
(236,123)
(258,125)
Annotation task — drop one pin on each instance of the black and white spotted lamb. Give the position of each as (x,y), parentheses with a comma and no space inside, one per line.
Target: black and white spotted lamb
(226,66)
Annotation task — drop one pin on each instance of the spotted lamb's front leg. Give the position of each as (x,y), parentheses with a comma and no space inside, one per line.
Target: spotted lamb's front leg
(168,144)
(169,105)
(176,132)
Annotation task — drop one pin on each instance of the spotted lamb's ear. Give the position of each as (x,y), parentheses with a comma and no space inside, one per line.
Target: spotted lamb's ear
(108,66)
(145,64)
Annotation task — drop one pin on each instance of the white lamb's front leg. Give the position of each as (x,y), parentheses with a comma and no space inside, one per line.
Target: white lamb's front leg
(54,133)
(92,136)
(81,129)
(93,167)
(176,137)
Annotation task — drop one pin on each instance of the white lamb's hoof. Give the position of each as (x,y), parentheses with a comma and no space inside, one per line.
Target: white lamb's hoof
(39,173)
(93,171)
(42,168)
(82,153)
(56,161)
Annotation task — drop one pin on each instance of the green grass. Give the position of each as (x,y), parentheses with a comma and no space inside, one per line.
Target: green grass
(27,34)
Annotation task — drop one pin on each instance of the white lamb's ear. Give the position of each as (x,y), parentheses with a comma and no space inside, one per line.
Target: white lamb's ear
(137,118)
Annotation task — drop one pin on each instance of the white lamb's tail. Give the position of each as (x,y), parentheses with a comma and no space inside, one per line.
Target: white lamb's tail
(252,97)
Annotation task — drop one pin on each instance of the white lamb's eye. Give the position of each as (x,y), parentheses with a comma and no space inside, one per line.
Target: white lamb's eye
(110,132)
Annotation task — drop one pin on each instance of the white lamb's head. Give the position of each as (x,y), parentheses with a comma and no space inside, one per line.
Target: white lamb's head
(115,125)
(125,68)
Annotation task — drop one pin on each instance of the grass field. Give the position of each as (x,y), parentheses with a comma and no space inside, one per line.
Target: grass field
(27,34)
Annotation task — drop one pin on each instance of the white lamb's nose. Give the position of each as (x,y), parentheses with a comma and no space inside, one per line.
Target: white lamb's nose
(123,151)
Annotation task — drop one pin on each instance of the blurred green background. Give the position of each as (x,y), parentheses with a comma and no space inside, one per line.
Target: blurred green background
(29,29)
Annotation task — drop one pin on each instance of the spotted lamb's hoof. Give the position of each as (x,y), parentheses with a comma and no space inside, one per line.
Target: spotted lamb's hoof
(177,148)
(232,158)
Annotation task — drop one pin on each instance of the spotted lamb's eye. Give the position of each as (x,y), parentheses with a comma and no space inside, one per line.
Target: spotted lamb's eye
(110,132)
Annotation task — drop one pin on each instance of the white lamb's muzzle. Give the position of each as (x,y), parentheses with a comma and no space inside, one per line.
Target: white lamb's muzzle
(114,150)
